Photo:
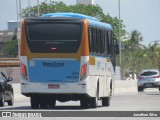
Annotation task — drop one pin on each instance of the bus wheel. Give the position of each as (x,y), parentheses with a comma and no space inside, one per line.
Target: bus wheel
(43,104)
(84,102)
(51,103)
(105,101)
(34,102)
(94,101)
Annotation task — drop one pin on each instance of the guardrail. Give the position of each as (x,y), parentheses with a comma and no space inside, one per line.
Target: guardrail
(125,87)
(9,62)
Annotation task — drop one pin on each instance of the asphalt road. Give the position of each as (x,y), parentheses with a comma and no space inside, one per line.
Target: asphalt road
(149,100)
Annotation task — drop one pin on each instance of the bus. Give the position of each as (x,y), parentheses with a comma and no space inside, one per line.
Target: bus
(67,56)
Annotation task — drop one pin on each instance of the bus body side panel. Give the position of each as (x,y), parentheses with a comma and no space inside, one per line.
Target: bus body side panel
(100,71)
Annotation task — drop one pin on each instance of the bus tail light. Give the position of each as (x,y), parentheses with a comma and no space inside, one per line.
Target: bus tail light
(83,72)
(24,71)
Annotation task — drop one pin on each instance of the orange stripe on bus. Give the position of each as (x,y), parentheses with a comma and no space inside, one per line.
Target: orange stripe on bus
(85,44)
(23,40)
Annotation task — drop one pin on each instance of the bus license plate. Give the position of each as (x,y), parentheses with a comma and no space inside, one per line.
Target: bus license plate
(53,86)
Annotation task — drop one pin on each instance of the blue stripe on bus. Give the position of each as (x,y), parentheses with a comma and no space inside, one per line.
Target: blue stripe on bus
(73,15)
(92,20)
(54,71)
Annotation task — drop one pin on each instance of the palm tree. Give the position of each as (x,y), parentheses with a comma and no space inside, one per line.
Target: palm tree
(135,39)
(133,52)
(153,54)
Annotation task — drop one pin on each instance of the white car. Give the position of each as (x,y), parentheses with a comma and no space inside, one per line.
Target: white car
(149,79)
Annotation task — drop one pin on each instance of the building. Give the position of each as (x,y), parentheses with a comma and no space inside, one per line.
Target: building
(12,25)
(6,36)
(10,33)
(86,2)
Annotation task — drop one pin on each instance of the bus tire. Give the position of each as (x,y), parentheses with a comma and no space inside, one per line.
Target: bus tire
(94,101)
(44,103)
(105,101)
(84,102)
(111,90)
(34,103)
(51,103)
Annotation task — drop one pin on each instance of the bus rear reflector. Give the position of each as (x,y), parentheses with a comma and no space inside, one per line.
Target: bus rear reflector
(53,86)
(53,49)
(83,72)
(24,71)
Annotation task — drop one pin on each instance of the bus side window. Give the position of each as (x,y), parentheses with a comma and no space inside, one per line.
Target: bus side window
(90,37)
(105,43)
(112,43)
(108,42)
(98,41)
(102,42)
(95,40)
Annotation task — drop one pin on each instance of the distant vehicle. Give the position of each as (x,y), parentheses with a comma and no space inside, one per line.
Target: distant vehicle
(67,56)
(149,79)
(6,90)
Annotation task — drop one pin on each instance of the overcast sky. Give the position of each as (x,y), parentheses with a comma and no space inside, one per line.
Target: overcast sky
(142,15)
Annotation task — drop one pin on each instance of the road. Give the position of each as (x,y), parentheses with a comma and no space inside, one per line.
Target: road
(149,100)
(144,101)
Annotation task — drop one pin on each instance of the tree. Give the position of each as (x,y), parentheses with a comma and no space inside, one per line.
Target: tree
(10,49)
(134,53)
(91,10)
(153,52)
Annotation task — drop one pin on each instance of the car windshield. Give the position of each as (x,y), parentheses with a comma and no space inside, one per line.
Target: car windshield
(149,73)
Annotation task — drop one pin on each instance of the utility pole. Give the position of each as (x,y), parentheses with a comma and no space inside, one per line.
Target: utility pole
(20,10)
(29,6)
(38,7)
(120,45)
(17,14)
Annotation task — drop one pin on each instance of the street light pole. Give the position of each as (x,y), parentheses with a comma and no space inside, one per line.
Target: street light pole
(29,8)
(17,14)
(20,10)
(38,7)
(120,33)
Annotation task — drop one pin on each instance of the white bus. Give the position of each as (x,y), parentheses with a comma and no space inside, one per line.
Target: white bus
(67,56)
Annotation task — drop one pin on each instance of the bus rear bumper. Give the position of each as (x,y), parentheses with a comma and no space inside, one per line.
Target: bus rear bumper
(28,89)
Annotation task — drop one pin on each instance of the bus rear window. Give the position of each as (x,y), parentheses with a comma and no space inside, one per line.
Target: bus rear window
(57,37)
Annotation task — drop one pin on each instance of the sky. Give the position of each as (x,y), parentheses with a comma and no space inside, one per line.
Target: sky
(141,15)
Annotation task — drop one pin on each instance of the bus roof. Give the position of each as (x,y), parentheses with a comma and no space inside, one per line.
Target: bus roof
(92,20)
